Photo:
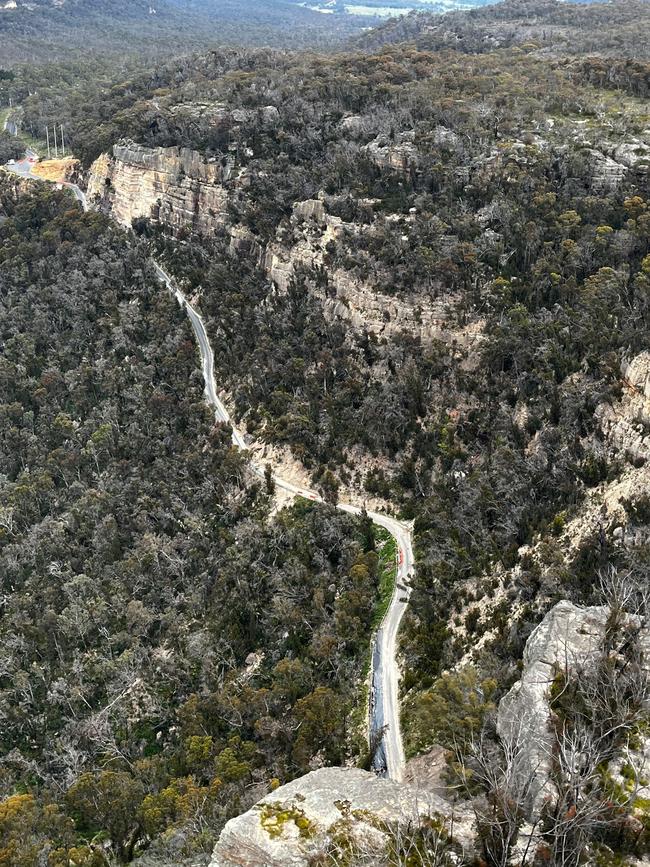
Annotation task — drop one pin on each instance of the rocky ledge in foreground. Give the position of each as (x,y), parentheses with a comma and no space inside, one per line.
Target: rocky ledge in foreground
(301,821)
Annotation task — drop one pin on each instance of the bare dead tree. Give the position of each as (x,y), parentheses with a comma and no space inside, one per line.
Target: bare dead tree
(504,774)
(602,704)
(582,810)
(625,593)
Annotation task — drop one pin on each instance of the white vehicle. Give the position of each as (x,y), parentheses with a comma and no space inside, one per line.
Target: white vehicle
(12,162)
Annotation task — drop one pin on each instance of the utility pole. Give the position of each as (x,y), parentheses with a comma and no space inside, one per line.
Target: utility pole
(56,147)
(47,133)
(62,140)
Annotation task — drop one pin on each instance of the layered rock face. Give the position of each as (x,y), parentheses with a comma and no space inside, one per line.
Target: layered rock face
(294,825)
(611,165)
(177,187)
(400,155)
(180,189)
(347,298)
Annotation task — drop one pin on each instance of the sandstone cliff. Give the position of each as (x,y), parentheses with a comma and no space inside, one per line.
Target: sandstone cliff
(176,187)
(182,190)
(570,640)
(305,244)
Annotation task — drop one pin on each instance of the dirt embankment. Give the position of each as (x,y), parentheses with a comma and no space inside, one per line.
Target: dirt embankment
(57,170)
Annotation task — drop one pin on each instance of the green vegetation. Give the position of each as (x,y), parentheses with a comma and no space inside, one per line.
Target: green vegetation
(170,649)
(451,713)
(387,571)
(486,226)
(387,574)
(274,817)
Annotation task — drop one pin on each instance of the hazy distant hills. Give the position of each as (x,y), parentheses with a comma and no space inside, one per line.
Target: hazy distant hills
(37,30)
(575,27)
(45,29)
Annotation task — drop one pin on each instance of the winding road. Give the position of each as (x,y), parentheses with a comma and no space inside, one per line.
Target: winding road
(384,693)
(383,716)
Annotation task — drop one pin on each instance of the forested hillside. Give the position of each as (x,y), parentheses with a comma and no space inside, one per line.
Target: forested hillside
(52,31)
(618,28)
(424,267)
(169,649)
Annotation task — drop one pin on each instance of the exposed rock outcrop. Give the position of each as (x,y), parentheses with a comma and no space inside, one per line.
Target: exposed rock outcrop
(612,163)
(182,190)
(295,824)
(177,187)
(627,423)
(400,155)
(622,438)
(607,173)
(566,639)
(348,298)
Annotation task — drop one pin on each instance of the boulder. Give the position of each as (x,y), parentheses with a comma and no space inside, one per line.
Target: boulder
(312,209)
(400,155)
(293,826)
(353,126)
(565,639)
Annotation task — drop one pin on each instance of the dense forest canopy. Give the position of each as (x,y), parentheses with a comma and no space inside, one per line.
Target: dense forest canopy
(85,29)
(169,648)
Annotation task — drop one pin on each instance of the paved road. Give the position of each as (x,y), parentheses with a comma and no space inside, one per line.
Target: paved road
(384,711)
(25,168)
(384,699)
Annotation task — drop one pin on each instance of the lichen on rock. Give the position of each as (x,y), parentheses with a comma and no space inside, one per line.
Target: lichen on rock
(334,806)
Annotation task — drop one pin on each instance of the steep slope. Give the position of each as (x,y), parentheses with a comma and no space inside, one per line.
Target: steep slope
(136,610)
(425,277)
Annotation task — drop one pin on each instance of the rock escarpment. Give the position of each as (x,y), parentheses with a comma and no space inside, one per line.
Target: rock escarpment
(627,423)
(182,190)
(618,507)
(400,155)
(296,824)
(176,187)
(305,244)
(611,164)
